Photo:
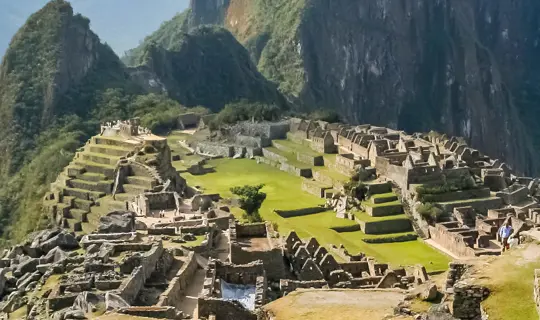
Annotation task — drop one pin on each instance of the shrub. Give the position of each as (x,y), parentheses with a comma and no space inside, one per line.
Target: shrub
(430,212)
(251,199)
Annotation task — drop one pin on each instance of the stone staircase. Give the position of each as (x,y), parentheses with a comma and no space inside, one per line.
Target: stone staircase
(383,214)
(88,181)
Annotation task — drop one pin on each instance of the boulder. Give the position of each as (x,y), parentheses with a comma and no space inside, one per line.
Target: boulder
(88,302)
(63,240)
(430,293)
(27,266)
(117,222)
(139,225)
(189,237)
(93,248)
(74,314)
(114,302)
(55,255)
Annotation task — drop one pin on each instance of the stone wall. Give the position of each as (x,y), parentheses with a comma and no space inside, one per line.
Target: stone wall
(398,174)
(385,226)
(299,212)
(328,180)
(467,299)
(482,205)
(284,166)
(272,260)
(130,288)
(286,286)
(536,290)
(310,159)
(251,230)
(177,286)
(382,211)
(223,310)
(273,156)
(457,195)
(451,241)
(314,187)
(215,149)
(153,312)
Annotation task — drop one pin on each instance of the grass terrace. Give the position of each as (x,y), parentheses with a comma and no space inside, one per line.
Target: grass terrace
(284,192)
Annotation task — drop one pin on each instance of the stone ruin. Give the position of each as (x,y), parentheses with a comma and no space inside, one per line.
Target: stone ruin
(314,266)
(113,168)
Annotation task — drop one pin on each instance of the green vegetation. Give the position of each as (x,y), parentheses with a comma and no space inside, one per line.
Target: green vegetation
(510,281)
(284,192)
(429,211)
(169,35)
(245,110)
(207,66)
(462,183)
(251,199)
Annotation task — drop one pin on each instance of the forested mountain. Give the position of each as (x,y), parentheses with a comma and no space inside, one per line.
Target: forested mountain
(466,68)
(58,82)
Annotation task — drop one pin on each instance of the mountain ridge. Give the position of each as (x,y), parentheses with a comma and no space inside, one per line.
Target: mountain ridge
(465,68)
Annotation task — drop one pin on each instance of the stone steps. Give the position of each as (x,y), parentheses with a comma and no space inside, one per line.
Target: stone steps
(99,158)
(134,189)
(100,186)
(83,194)
(78,214)
(146,182)
(74,170)
(90,166)
(68,200)
(112,141)
(117,204)
(63,209)
(83,204)
(90,176)
(383,198)
(111,150)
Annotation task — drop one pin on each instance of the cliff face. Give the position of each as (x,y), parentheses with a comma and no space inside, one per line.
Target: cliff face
(466,68)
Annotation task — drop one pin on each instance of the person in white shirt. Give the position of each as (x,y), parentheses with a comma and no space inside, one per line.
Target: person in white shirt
(505,232)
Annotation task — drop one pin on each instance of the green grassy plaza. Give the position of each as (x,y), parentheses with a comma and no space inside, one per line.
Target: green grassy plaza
(284,192)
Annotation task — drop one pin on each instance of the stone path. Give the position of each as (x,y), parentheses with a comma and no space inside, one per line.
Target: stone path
(188,304)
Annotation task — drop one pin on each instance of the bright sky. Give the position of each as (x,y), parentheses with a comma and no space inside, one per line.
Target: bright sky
(120,23)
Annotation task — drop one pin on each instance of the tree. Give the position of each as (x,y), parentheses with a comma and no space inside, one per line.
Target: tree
(251,199)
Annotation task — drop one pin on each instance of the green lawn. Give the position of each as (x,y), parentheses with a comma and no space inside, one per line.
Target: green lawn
(296,147)
(510,281)
(284,192)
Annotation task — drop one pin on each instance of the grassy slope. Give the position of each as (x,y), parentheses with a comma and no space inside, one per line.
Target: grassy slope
(510,280)
(284,192)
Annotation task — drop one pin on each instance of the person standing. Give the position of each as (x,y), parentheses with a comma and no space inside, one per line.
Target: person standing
(505,232)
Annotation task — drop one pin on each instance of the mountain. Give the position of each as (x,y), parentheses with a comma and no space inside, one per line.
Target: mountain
(466,68)
(58,81)
(205,66)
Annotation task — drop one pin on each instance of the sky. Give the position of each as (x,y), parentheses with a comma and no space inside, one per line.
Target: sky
(120,23)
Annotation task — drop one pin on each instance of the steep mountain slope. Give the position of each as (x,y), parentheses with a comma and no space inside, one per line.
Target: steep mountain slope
(58,82)
(52,68)
(53,76)
(206,66)
(467,68)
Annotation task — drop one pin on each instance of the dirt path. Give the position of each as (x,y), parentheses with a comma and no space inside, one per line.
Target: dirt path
(325,304)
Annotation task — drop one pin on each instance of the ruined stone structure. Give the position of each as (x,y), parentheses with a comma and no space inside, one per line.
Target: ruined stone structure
(113,168)
(315,267)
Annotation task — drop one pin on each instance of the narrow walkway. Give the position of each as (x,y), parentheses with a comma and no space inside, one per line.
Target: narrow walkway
(188,304)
